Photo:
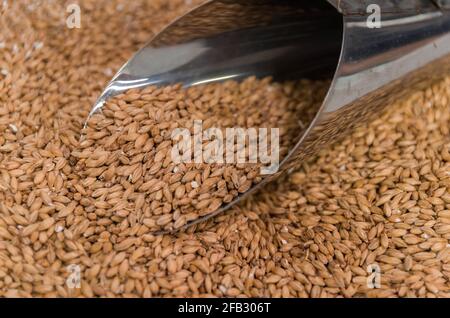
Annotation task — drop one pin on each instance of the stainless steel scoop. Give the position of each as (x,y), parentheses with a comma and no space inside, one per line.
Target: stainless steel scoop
(370,67)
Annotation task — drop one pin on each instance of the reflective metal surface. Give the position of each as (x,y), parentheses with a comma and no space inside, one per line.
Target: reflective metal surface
(227,39)
(370,67)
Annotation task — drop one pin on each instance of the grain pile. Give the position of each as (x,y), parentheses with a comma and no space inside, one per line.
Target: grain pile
(127,149)
(380,196)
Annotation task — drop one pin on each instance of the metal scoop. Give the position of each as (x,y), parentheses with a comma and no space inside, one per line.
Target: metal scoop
(375,52)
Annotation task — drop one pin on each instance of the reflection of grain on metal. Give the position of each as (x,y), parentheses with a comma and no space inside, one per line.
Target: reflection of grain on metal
(332,126)
(222,16)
